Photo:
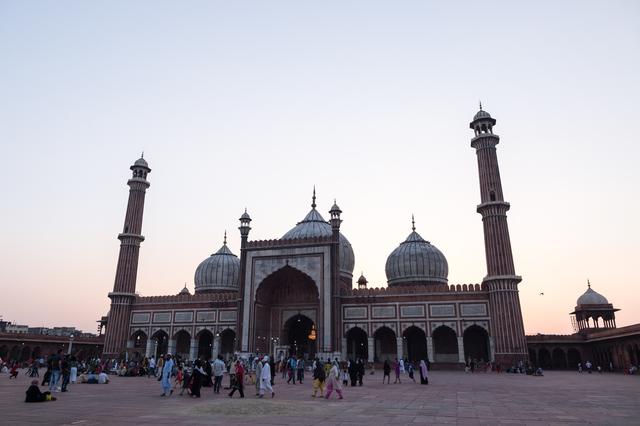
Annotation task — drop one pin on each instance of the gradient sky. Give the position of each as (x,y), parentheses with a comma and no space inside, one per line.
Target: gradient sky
(252,103)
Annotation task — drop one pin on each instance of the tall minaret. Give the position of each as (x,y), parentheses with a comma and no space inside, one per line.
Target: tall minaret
(124,287)
(507,328)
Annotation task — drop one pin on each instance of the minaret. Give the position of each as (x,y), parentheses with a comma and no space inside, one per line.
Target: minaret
(245,227)
(336,317)
(507,328)
(124,287)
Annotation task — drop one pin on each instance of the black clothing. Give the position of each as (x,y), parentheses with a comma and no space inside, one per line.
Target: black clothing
(34,394)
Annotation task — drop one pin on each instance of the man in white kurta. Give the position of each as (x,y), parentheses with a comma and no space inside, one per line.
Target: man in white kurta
(265,378)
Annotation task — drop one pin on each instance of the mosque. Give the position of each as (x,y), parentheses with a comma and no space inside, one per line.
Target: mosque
(295,294)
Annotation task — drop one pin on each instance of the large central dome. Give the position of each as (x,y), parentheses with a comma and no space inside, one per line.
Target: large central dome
(314,225)
(416,261)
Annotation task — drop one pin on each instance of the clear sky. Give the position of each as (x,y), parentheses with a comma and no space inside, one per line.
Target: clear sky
(252,103)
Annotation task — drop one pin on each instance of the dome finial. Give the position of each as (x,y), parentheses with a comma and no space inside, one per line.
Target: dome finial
(225,237)
(413,223)
(142,155)
(480,105)
(313,199)
(588,283)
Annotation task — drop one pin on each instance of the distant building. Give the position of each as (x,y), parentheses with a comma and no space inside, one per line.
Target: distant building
(596,339)
(16,328)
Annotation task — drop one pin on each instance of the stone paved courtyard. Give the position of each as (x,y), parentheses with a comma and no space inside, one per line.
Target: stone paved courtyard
(451,398)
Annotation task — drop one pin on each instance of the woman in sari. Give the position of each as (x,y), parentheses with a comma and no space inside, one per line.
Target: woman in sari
(424,380)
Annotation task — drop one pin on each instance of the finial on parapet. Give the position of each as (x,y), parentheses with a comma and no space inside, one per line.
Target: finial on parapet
(313,199)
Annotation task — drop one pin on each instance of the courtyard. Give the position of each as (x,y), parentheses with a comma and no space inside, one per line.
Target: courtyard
(560,397)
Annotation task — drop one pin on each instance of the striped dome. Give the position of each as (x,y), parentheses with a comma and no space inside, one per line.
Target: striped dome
(416,261)
(314,225)
(220,271)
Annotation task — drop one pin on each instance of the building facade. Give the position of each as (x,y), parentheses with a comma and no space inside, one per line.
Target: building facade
(596,339)
(295,294)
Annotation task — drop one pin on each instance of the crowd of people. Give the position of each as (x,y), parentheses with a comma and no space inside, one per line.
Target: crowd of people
(176,374)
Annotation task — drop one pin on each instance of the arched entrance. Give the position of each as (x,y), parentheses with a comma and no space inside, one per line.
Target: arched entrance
(559,359)
(384,340)
(544,358)
(205,344)
(574,358)
(36,353)
(286,307)
(183,343)
(139,339)
(25,354)
(445,344)
(533,356)
(4,351)
(296,333)
(415,341)
(227,342)
(357,344)
(476,344)
(161,339)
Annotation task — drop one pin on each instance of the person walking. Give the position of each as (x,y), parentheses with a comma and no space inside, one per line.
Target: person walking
(73,377)
(265,378)
(65,369)
(386,369)
(238,384)
(198,376)
(300,369)
(167,368)
(259,375)
(409,367)
(318,379)
(152,367)
(55,361)
(424,380)
(396,369)
(218,373)
(333,382)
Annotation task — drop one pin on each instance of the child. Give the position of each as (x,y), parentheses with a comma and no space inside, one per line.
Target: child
(13,374)
(179,378)
(186,378)
(345,377)
(318,380)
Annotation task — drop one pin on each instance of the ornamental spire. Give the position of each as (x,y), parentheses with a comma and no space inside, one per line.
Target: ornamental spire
(413,223)
(480,105)
(588,283)
(225,237)
(313,199)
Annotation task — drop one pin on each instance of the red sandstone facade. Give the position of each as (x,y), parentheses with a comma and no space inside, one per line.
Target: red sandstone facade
(294,293)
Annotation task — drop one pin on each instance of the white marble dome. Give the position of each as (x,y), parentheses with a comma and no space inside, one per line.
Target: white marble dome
(591,297)
(314,225)
(220,271)
(416,261)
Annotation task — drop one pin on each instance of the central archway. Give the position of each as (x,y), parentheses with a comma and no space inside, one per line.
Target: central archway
(384,340)
(295,334)
(286,308)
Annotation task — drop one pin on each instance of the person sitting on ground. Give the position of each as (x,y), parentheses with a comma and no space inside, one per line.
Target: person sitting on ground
(34,394)
(103,379)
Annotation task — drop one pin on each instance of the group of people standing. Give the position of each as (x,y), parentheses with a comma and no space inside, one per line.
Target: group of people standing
(401,366)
